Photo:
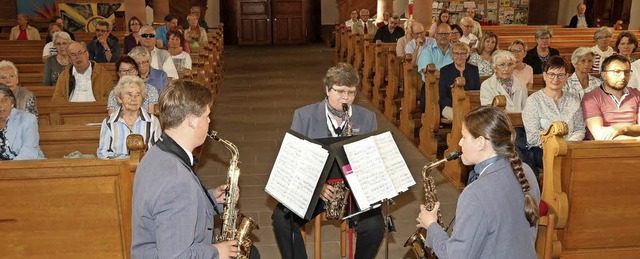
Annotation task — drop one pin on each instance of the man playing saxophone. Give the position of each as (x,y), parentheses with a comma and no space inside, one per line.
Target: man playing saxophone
(172,212)
(324,119)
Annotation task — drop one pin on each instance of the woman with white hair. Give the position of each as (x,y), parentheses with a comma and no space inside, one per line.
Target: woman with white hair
(581,82)
(503,82)
(156,78)
(54,65)
(24,99)
(128,119)
(537,56)
(601,50)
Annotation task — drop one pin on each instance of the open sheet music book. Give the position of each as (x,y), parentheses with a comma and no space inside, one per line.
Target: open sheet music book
(374,168)
(300,166)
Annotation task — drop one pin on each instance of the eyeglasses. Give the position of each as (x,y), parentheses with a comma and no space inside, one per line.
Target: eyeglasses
(517,50)
(78,54)
(127,71)
(418,33)
(148,35)
(467,26)
(544,38)
(554,76)
(443,34)
(101,30)
(343,92)
(460,54)
(619,72)
(604,37)
(61,43)
(506,65)
(142,63)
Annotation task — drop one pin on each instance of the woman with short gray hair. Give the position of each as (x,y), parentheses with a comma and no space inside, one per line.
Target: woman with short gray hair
(502,82)
(152,76)
(581,82)
(55,64)
(601,50)
(19,135)
(537,56)
(24,99)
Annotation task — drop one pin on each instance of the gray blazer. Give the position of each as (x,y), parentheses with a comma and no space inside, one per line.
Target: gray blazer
(311,120)
(490,218)
(171,214)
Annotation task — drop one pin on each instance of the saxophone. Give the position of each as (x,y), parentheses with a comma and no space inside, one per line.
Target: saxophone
(235,225)
(417,241)
(335,208)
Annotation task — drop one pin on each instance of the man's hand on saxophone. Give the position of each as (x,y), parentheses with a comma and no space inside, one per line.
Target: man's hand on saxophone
(227,249)
(219,193)
(426,217)
(327,193)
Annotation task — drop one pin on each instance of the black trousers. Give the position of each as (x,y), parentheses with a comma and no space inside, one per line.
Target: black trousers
(286,225)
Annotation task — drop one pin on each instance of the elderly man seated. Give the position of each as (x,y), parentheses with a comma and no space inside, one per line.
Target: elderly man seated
(84,80)
(18,130)
(160,58)
(129,118)
(24,99)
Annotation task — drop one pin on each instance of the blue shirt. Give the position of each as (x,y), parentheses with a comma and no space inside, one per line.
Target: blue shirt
(157,78)
(433,55)
(22,137)
(161,34)
(114,133)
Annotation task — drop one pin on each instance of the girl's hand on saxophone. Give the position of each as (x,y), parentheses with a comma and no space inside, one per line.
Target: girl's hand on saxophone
(327,193)
(220,194)
(426,217)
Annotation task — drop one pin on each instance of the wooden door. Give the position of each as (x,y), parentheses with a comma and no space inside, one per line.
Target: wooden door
(254,22)
(289,21)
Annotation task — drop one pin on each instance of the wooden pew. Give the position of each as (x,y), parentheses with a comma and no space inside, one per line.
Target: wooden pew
(430,119)
(591,190)
(382,52)
(393,91)
(71,113)
(30,74)
(410,113)
(67,208)
(368,69)
(57,141)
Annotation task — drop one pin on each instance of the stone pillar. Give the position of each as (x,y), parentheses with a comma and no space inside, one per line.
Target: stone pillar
(134,8)
(422,12)
(160,10)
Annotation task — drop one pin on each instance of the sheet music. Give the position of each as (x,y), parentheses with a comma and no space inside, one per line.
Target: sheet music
(369,168)
(394,162)
(299,164)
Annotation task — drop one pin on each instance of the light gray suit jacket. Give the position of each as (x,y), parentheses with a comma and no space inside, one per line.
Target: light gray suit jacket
(490,218)
(311,120)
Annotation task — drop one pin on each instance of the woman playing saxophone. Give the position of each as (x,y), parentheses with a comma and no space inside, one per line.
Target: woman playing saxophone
(497,212)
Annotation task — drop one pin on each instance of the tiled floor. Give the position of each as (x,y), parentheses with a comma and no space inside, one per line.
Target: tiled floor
(262,87)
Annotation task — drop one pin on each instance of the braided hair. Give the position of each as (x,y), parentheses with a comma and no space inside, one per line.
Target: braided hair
(494,125)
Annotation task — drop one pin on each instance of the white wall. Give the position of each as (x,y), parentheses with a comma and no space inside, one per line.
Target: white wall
(634,21)
(212,17)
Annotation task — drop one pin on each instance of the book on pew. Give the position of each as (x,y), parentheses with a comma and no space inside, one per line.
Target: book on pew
(372,165)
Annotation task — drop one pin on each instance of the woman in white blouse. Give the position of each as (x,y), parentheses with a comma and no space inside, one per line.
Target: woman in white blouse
(581,82)
(551,104)
(502,82)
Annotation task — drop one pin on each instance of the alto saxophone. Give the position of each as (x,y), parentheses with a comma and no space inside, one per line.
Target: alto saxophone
(235,225)
(335,208)
(417,241)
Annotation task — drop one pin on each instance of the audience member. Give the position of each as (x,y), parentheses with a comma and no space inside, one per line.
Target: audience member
(481,57)
(103,49)
(477,29)
(152,76)
(197,12)
(19,138)
(24,31)
(521,71)
(368,26)
(160,58)
(58,20)
(404,40)
(391,32)
(537,56)
(581,82)
(194,33)
(170,23)
(601,50)
(127,66)
(386,15)
(502,82)
(456,32)
(181,59)
(467,36)
(352,20)
(84,80)
(54,65)
(634,80)
(581,20)
(443,17)
(419,41)
(133,38)
(626,44)
(49,48)
(611,111)
(439,52)
(128,118)
(548,105)
(449,73)
(24,99)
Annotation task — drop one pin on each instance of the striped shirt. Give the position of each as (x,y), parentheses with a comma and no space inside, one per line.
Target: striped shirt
(114,132)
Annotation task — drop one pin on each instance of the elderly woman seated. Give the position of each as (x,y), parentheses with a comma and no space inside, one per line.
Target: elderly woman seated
(449,73)
(18,130)
(487,45)
(151,76)
(551,104)
(581,82)
(127,66)
(129,118)
(601,50)
(502,82)
(24,99)
(54,65)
